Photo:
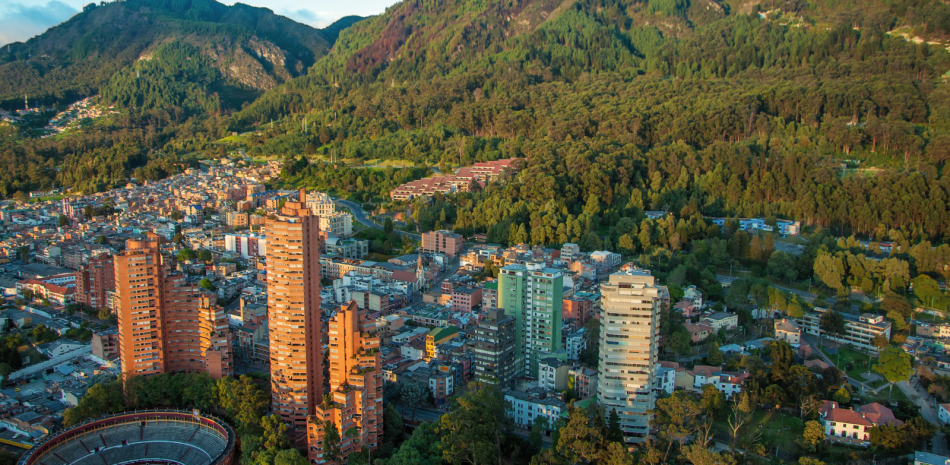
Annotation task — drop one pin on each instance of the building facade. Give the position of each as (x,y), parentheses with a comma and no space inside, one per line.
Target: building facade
(443,241)
(523,407)
(494,349)
(355,399)
(628,350)
(94,281)
(339,224)
(166,324)
(533,296)
(859,330)
(293,313)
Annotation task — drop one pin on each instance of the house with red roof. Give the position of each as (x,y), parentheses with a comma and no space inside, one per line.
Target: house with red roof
(698,332)
(853,426)
(52,292)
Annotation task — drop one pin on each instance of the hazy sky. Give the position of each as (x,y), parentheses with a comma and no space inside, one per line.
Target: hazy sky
(23,19)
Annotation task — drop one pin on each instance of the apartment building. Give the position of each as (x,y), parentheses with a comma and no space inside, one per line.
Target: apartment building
(443,241)
(494,348)
(584,381)
(553,374)
(523,407)
(533,296)
(338,223)
(580,307)
(347,248)
(490,296)
(320,204)
(247,245)
(439,336)
(859,330)
(94,280)
(105,344)
(293,313)
(628,349)
(167,324)
(236,219)
(465,299)
(355,399)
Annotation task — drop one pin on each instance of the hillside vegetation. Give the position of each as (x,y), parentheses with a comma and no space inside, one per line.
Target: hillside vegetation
(251,47)
(169,67)
(698,107)
(744,108)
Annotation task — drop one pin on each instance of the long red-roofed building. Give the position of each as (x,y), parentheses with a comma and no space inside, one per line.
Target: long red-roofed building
(462,181)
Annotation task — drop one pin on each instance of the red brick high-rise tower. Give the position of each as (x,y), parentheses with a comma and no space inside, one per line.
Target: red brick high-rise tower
(354,405)
(166,324)
(293,313)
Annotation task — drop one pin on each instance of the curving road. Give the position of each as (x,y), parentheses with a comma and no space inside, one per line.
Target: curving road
(806,295)
(365,220)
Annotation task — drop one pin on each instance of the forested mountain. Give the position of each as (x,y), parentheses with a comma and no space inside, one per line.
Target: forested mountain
(698,107)
(170,68)
(833,112)
(252,48)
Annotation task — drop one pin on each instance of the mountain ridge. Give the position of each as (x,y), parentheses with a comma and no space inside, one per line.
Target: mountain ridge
(250,45)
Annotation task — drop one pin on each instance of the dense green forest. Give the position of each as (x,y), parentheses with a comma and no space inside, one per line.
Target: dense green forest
(793,110)
(830,112)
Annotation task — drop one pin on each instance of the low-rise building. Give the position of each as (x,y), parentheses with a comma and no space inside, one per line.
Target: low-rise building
(787,330)
(524,406)
(439,336)
(552,374)
(105,344)
(574,344)
(347,248)
(699,332)
(859,330)
(584,381)
(665,379)
(853,426)
(465,299)
(442,241)
(722,320)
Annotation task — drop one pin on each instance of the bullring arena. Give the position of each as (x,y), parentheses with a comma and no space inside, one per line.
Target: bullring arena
(166,437)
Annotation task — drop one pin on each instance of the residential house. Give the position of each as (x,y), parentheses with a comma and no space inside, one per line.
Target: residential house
(787,330)
(853,426)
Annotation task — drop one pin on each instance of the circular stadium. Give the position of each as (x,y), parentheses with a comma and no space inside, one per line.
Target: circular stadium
(154,437)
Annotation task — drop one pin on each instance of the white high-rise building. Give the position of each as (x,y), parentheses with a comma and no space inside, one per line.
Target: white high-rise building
(629,335)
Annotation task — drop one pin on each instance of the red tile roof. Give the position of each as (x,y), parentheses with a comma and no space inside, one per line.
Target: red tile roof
(840,415)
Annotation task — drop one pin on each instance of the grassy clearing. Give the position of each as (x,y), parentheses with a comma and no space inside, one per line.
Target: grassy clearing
(49,197)
(776,429)
(857,361)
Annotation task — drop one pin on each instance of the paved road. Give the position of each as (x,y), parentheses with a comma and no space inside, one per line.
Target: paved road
(938,445)
(806,295)
(365,220)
